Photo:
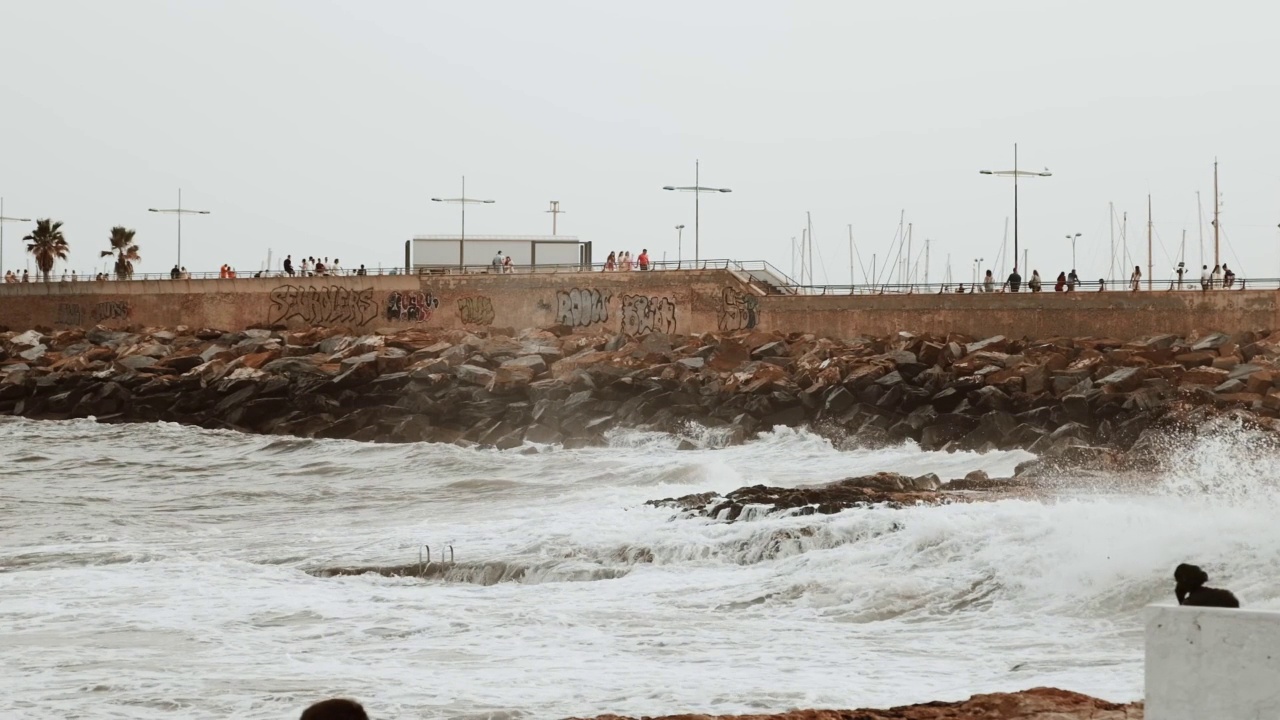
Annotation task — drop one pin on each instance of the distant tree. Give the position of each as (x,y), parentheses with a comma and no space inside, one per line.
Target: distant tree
(124,250)
(47,244)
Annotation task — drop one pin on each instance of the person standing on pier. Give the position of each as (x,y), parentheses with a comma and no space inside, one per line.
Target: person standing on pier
(1015,280)
(1135,280)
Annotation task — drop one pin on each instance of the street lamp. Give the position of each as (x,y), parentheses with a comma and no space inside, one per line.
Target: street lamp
(1073,239)
(179,211)
(977,265)
(464,201)
(3,220)
(697,191)
(679,245)
(1015,173)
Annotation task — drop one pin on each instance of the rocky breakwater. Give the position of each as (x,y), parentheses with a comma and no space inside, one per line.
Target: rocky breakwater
(1034,704)
(1070,400)
(884,489)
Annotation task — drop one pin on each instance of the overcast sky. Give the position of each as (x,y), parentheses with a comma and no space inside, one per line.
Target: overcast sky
(324,128)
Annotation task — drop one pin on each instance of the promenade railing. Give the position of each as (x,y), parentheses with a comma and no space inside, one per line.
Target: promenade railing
(750,267)
(1163,285)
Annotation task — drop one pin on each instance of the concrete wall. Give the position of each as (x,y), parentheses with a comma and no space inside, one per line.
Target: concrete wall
(1117,314)
(671,301)
(1204,663)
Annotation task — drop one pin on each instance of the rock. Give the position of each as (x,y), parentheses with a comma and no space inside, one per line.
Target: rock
(1123,380)
(1195,359)
(1231,386)
(536,363)
(137,362)
(945,428)
(1212,341)
(773,349)
(508,379)
(995,344)
(1210,376)
(474,375)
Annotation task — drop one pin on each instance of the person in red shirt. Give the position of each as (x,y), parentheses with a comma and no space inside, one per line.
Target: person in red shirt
(643,260)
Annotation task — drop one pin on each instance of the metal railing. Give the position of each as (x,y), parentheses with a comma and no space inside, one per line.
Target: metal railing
(749,266)
(1164,285)
(422,567)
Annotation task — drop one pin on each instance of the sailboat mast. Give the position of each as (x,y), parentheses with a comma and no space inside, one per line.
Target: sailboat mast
(1200,225)
(852,279)
(1216,203)
(1111,220)
(809,221)
(926,261)
(1150,267)
(910,274)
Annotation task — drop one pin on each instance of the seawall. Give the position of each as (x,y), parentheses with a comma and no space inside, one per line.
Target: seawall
(1217,663)
(682,301)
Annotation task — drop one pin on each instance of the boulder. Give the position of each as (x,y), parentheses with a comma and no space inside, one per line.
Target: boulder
(508,379)
(474,375)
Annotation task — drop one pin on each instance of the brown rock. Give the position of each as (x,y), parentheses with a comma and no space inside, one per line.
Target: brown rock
(509,378)
(1196,359)
(1202,375)
(1034,704)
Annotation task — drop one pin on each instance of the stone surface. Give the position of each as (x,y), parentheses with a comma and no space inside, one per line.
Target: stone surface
(1033,704)
(1078,402)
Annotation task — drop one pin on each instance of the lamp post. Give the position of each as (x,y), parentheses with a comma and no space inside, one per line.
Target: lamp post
(555,213)
(1015,173)
(464,201)
(697,191)
(179,211)
(679,245)
(4,219)
(977,266)
(1073,239)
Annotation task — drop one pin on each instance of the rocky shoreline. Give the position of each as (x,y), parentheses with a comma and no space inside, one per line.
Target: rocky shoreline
(882,489)
(1079,402)
(1034,704)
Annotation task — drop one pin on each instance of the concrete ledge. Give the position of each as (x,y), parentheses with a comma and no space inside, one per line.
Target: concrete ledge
(1212,664)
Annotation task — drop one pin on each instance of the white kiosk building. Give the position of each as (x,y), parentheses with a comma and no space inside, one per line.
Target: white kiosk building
(452,253)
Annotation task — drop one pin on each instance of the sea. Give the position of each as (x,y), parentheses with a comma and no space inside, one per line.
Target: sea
(163,571)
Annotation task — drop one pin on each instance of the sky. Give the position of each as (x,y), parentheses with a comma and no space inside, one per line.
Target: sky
(324,128)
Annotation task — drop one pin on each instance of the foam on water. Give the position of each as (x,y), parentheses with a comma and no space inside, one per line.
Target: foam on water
(149,569)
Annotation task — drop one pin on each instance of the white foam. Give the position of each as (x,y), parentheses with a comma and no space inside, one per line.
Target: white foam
(177,575)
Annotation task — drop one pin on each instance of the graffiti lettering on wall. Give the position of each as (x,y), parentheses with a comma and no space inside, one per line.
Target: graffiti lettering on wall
(477,310)
(642,314)
(738,310)
(68,314)
(580,308)
(114,310)
(332,305)
(411,306)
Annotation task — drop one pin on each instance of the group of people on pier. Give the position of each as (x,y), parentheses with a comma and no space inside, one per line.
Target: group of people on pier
(1221,277)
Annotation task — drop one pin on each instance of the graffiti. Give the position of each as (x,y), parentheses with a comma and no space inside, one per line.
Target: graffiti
(543,305)
(412,306)
(580,308)
(642,314)
(332,305)
(68,314)
(112,310)
(738,311)
(476,310)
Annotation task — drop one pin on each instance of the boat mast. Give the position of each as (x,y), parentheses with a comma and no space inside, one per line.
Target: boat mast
(1111,219)
(1216,203)
(1200,224)
(1150,267)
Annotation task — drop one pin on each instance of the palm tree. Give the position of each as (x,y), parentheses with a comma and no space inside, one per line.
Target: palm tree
(47,244)
(124,250)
